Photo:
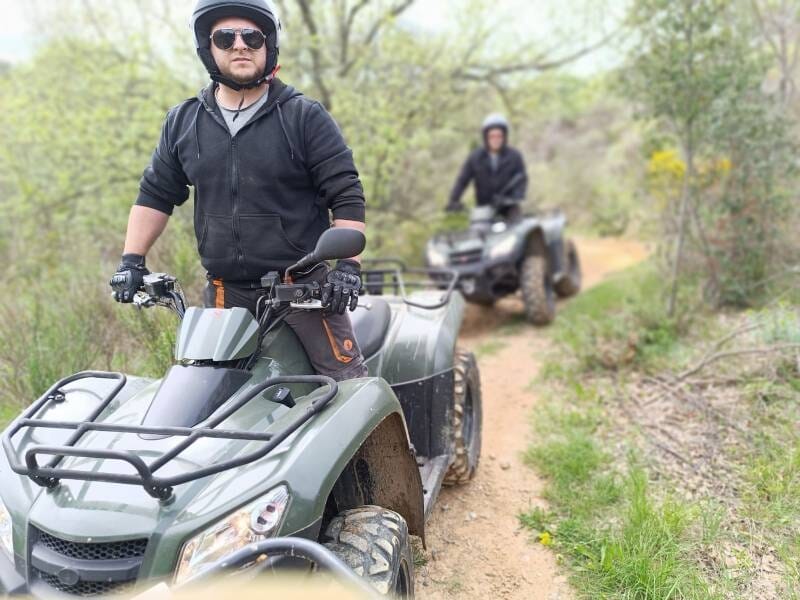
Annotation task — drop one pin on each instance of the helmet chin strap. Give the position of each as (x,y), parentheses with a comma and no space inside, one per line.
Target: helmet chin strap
(235,85)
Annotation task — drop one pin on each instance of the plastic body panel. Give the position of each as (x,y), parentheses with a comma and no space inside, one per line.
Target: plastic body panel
(218,335)
(420,343)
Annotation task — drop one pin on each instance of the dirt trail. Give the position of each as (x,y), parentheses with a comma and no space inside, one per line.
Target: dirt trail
(476,548)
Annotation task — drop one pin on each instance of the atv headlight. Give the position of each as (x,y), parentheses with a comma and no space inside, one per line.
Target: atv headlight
(503,248)
(6,531)
(252,523)
(436,258)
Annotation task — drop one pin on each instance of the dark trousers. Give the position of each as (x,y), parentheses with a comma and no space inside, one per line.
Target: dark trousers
(328,339)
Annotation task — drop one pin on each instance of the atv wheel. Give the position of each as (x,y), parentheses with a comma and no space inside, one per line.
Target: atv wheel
(537,290)
(571,284)
(374,542)
(467,419)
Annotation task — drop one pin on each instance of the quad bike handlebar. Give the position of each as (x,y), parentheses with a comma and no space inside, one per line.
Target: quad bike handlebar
(161,289)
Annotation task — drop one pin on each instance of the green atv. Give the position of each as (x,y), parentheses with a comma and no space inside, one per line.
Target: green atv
(497,256)
(241,459)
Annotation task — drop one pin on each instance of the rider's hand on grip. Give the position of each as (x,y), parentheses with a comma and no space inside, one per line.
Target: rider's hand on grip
(129,277)
(342,286)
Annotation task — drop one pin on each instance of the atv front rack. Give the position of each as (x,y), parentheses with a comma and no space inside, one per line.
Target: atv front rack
(375,278)
(290,547)
(161,488)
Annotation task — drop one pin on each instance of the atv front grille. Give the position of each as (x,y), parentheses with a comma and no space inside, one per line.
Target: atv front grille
(99,551)
(463,258)
(86,589)
(85,569)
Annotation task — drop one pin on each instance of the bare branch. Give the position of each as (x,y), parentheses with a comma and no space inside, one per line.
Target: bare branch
(380,22)
(540,63)
(316,58)
(744,352)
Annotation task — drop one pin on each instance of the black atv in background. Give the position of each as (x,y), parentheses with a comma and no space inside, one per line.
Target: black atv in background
(503,251)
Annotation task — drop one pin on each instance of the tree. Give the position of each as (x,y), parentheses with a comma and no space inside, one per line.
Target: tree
(778,22)
(685,59)
(697,71)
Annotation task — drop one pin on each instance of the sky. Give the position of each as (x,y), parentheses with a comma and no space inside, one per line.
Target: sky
(13,32)
(540,20)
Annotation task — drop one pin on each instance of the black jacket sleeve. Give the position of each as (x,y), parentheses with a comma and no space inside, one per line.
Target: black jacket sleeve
(462,181)
(164,185)
(521,187)
(331,165)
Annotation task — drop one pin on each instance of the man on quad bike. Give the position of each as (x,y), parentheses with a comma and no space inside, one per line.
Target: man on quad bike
(497,169)
(269,166)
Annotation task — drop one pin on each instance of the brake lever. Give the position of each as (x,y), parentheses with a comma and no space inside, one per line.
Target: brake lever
(307,305)
(142,300)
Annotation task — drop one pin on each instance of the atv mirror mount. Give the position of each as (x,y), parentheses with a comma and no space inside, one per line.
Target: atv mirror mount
(334,243)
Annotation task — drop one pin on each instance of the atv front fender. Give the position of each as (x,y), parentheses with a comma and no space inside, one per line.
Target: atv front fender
(309,462)
(364,422)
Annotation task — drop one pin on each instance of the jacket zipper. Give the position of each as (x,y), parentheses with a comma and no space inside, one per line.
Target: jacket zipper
(235,178)
(235,205)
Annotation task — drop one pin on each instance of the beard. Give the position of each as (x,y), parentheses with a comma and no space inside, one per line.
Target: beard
(243,75)
(243,72)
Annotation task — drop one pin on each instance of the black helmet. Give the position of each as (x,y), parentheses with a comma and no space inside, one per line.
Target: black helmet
(261,12)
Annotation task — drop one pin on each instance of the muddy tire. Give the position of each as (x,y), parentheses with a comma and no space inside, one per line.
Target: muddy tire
(571,284)
(537,290)
(467,419)
(374,542)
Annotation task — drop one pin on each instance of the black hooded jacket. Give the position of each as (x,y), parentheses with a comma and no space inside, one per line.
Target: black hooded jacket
(489,183)
(262,198)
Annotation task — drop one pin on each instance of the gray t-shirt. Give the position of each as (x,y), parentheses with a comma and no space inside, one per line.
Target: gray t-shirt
(244,115)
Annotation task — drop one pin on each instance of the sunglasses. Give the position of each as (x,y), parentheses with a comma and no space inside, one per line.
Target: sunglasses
(225,38)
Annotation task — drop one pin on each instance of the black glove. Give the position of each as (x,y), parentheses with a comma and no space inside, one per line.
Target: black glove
(129,277)
(453,207)
(342,286)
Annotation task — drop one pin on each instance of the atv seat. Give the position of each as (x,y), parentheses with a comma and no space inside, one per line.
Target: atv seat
(370,324)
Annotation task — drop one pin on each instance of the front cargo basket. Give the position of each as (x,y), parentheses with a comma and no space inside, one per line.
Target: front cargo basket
(50,474)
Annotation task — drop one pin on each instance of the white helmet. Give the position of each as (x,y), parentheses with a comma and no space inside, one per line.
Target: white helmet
(495,121)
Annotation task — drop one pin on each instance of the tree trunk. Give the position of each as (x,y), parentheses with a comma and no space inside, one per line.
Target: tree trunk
(686,198)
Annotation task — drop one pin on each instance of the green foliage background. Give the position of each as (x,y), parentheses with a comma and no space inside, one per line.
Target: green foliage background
(80,119)
(82,116)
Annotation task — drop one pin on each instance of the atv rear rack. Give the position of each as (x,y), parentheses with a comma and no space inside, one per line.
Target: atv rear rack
(375,280)
(161,488)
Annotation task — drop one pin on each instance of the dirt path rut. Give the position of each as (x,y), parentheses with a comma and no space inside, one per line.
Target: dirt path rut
(476,548)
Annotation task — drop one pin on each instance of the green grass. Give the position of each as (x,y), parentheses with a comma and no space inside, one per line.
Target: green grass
(6,414)
(771,471)
(623,533)
(619,323)
(617,540)
(619,537)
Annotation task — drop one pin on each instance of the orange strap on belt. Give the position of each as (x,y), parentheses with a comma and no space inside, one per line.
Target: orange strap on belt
(219,298)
